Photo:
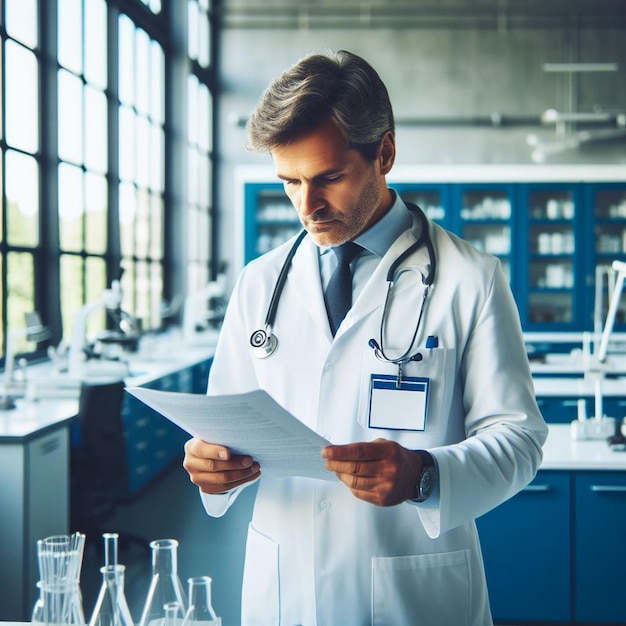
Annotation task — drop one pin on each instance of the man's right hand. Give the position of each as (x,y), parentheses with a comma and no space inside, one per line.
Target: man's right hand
(215,469)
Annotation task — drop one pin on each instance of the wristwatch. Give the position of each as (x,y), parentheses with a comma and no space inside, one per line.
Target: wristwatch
(428,477)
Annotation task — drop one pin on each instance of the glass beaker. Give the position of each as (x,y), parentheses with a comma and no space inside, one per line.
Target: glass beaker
(58,603)
(165,586)
(200,611)
(111,608)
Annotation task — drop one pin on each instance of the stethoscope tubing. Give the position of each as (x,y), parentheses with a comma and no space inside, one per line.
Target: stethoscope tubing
(264,343)
(282,279)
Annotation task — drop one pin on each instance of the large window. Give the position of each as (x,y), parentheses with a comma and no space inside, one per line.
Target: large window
(19,227)
(200,146)
(88,139)
(141,170)
(83,156)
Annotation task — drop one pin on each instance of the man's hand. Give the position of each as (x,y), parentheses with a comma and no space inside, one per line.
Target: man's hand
(214,469)
(381,472)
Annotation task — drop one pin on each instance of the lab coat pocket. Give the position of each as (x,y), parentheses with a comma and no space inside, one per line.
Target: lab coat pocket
(261,590)
(421,590)
(438,366)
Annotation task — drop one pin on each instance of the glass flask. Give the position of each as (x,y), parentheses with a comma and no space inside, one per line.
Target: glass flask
(111,608)
(200,611)
(165,586)
(172,614)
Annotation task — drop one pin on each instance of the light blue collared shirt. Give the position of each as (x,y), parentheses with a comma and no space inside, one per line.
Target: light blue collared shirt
(376,240)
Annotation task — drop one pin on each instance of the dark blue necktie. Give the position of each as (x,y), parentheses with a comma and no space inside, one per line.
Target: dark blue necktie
(339,290)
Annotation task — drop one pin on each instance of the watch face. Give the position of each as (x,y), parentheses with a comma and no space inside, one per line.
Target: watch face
(426,483)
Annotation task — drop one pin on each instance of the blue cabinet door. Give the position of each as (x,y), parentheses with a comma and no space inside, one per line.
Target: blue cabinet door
(606,232)
(270,218)
(552,272)
(526,549)
(600,547)
(433,199)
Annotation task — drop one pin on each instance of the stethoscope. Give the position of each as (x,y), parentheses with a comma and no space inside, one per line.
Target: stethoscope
(264,342)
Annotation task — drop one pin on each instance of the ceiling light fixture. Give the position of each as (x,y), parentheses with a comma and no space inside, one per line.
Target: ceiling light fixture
(580,67)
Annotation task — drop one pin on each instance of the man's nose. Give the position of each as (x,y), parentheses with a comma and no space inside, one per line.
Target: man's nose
(310,199)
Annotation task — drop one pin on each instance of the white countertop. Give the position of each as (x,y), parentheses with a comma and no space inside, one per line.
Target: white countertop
(559,386)
(56,394)
(561,452)
(29,418)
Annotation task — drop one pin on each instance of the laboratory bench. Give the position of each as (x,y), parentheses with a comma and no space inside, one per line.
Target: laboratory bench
(554,553)
(35,440)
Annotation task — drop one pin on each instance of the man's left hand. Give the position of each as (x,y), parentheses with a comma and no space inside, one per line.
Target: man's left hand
(381,472)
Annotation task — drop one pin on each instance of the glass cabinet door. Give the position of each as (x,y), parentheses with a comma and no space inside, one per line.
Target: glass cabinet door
(551,247)
(609,230)
(485,221)
(430,199)
(270,219)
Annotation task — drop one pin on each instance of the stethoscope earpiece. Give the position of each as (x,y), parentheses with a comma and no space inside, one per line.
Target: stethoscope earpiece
(263,342)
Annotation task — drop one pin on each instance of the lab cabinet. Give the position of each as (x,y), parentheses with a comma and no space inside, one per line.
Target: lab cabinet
(35,503)
(270,219)
(432,199)
(600,548)
(526,549)
(152,441)
(551,268)
(555,552)
(484,219)
(609,238)
(554,238)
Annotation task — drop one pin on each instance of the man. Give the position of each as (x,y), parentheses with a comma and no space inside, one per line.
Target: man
(425,393)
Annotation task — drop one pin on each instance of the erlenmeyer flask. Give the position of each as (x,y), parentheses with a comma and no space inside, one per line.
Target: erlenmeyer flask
(200,611)
(111,608)
(165,586)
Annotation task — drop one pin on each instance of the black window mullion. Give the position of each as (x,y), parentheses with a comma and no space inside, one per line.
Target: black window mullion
(47,263)
(114,251)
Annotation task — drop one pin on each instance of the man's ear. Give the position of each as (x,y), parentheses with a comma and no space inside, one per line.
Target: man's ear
(387,153)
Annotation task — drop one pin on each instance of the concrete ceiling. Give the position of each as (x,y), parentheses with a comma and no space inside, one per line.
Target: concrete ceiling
(424,14)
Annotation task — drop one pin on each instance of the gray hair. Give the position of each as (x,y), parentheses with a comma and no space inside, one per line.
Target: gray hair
(341,88)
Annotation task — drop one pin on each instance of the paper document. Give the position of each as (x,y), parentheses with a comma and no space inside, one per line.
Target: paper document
(250,423)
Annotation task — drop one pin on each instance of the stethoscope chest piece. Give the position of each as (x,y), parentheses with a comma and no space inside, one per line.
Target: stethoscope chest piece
(263,342)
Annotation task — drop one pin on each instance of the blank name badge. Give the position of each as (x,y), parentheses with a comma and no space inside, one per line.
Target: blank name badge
(396,406)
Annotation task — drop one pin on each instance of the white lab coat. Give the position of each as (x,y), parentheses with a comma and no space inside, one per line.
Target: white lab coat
(317,555)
